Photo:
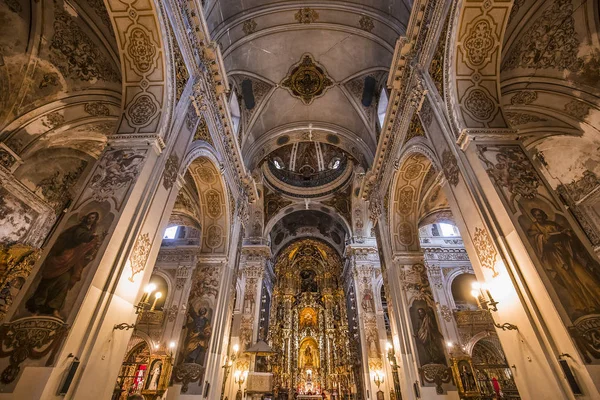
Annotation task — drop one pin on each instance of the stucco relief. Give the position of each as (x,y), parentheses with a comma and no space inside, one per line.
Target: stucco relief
(141,111)
(550,42)
(75,54)
(114,172)
(139,255)
(141,50)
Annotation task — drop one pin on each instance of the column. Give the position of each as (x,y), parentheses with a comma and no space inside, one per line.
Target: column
(253,271)
(366,271)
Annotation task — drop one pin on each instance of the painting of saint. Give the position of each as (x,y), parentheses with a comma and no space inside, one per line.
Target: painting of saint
(198,335)
(429,340)
(308,357)
(308,281)
(73,250)
(573,273)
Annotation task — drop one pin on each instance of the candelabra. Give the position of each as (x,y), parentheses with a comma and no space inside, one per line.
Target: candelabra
(486,302)
(394,365)
(227,366)
(239,378)
(142,306)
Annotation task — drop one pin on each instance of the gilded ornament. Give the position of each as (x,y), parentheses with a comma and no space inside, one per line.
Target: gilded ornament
(479,43)
(366,23)
(486,252)
(479,105)
(171,171)
(249,26)
(450,167)
(141,110)
(141,50)
(307,80)
(139,255)
(306,15)
(97,109)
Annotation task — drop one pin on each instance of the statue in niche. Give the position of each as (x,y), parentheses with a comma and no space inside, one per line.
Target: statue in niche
(154,376)
(308,356)
(466,377)
(73,250)
(309,283)
(566,259)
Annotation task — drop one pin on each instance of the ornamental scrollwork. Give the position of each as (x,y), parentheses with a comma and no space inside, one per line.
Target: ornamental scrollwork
(450,167)
(139,256)
(142,110)
(479,43)
(486,252)
(479,105)
(171,171)
(31,337)
(187,373)
(141,50)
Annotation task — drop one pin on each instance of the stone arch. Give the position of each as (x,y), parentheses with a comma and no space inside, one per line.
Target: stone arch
(212,195)
(141,31)
(473,60)
(413,171)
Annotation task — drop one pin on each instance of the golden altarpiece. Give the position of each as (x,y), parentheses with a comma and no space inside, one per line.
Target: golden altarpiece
(309,326)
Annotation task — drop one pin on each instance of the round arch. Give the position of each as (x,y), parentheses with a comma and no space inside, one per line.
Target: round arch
(414,169)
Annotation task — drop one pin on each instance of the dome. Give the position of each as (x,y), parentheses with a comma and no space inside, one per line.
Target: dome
(316,166)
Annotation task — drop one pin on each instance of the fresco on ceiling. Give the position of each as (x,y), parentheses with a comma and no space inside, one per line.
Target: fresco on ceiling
(16,218)
(570,271)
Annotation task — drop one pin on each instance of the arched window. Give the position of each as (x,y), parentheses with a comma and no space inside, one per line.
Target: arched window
(234,108)
(382,106)
(171,232)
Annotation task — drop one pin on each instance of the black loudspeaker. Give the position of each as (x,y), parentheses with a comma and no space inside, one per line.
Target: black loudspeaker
(417,390)
(206,388)
(570,377)
(64,388)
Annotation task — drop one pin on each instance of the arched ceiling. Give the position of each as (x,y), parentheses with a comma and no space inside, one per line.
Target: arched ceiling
(550,81)
(309,224)
(60,92)
(307,66)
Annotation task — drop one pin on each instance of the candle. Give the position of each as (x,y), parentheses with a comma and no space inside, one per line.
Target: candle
(157,296)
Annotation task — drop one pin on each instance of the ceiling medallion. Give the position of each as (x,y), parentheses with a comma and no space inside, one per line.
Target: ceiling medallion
(307,80)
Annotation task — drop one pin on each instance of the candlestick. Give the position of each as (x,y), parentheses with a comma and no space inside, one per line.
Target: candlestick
(157,296)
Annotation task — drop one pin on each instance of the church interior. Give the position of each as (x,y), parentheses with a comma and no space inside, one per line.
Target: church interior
(299,200)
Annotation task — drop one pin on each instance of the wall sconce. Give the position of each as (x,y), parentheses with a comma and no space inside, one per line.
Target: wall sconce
(378,378)
(142,306)
(394,365)
(239,377)
(486,302)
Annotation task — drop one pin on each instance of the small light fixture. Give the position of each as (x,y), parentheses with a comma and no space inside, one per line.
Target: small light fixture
(486,302)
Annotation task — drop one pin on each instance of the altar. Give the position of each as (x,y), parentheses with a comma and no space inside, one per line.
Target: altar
(310,397)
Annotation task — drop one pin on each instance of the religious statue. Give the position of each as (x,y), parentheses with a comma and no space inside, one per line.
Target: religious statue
(467,379)
(308,357)
(73,250)
(429,338)
(563,255)
(154,376)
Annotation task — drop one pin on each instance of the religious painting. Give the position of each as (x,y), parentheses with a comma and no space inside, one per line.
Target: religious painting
(367,302)
(308,283)
(63,271)
(566,264)
(428,338)
(308,318)
(198,333)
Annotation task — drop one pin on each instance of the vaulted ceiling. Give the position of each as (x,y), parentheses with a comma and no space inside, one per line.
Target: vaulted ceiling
(349,45)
